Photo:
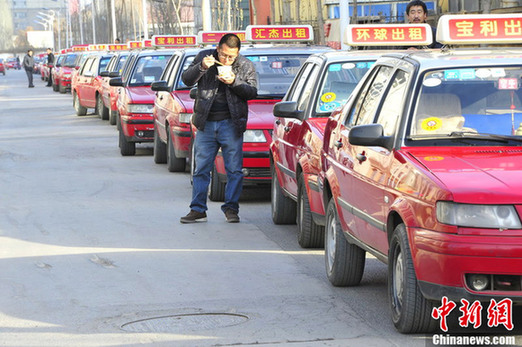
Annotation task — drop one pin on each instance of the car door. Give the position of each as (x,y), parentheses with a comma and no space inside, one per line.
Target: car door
(287,131)
(163,103)
(81,80)
(90,76)
(372,165)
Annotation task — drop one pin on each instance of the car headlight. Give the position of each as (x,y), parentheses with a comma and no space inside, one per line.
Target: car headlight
(478,216)
(254,136)
(141,108)
(185,117)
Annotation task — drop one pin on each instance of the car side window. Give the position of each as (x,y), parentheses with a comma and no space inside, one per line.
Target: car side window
(366,105)
(300,82)
(86,66)
(303,100)
(94,66)
(170,76)
(393,103)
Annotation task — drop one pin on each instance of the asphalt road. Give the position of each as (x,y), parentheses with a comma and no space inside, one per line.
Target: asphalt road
(92,252)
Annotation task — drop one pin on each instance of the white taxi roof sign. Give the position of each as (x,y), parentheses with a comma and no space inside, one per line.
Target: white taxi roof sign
(388,35)
(477,29)
(279,33)
(174,41)
(213,37)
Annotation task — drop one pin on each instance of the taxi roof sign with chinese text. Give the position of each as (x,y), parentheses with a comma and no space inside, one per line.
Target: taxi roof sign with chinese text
(79,48)
(479,29)
(135,44)
(147,43)
(100,47)
(279,33)
(174,41)
(213,37)
(388,35)
(117,47)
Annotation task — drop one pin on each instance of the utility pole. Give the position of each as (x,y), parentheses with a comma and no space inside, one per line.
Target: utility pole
(343,21)
(207,15)
(93,14)
(113,17)
(320,22)
(145,24)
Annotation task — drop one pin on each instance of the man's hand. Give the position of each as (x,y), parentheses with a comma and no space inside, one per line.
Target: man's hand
(208,61)
(228,79)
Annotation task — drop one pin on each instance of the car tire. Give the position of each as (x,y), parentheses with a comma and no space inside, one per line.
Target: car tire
(174,164)
(55,87)
(216,191)
(112,117)
(80,110)
(284,209)
(103,111)
(126,148)
(344,261)
(411,312)
(62,89)
(309,234)
(160,149)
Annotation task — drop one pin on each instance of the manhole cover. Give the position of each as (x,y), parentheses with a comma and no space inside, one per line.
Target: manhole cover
(184,322)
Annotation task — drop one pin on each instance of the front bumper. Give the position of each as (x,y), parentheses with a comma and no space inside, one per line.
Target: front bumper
(256,167)
(138,127)
(442,261)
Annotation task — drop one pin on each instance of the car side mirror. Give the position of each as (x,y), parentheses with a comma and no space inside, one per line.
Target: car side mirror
(193,93)
(370,135)
(287,109)
(104,73)
(77,68)
(116,82)
(58,65)
(114,74)
(160,86)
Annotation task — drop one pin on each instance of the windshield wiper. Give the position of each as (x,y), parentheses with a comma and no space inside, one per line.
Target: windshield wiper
(484,136)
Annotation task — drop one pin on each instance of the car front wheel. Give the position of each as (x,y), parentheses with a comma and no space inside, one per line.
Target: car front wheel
(411,312)
(344,261)
(126,148)
(160,149)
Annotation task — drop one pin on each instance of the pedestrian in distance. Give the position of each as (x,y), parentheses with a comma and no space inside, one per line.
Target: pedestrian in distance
(28,64)
(226,80)
(50,65)
(416,13)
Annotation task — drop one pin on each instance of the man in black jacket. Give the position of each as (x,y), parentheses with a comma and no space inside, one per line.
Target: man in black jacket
(417,13)
(220,115)
(50,65)
(28,65)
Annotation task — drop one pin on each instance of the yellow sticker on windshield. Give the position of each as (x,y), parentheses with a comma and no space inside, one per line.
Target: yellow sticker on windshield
(431,124)
(328,97)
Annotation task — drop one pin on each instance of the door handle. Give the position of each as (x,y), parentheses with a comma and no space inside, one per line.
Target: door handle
(161,97)
(287,128)
(338,144)
(278,121)
(361,157)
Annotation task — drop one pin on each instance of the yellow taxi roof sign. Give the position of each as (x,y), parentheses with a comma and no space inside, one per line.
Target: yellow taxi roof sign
(475,29)
(135,44)
(279,33)
(388,35)
(213,37)
(174,41)
(117,47)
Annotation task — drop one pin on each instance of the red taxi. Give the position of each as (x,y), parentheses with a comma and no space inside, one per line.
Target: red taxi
(62,72)
(2,67)
(323,84)
(172,112)
(276,66)
(87,88)
(12,63)
(136,99)
(110,94)
(421,168)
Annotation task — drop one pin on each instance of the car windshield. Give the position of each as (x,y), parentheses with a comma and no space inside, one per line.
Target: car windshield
(469,105)
(69,60)
(148,69)
(338,83)
(275,73)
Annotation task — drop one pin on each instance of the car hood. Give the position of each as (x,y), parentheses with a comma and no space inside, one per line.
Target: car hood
(476,175)
(260,114)
(141,95)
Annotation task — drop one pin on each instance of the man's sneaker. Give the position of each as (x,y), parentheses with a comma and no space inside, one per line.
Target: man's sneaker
(194,217)
(231,216)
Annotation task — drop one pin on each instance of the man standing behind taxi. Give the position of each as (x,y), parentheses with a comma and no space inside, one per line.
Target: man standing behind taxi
(416,13)
(50,64)
(226,80)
